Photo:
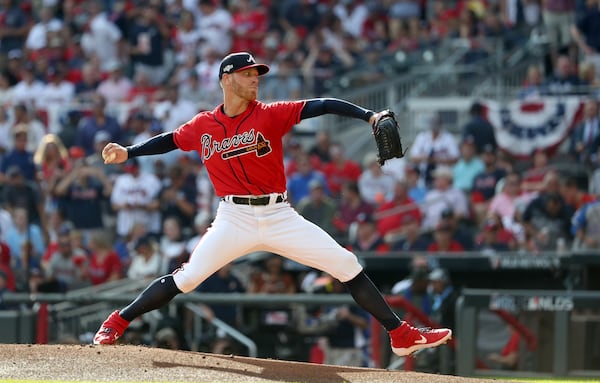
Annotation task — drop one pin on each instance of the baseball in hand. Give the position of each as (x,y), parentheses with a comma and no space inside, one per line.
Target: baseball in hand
(110,157)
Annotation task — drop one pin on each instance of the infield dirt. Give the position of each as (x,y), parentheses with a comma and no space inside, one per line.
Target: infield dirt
(144,364)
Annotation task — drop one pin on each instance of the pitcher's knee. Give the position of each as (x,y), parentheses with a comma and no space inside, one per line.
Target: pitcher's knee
(345,268)
(184,280)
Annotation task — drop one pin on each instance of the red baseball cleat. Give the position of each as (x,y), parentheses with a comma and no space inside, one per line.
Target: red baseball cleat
(407,339)
(113,327)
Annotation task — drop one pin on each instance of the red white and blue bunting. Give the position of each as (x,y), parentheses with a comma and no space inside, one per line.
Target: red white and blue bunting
(521,127)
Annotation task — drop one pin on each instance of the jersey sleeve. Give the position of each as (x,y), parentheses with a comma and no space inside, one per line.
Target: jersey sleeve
(187,136)
(287,112)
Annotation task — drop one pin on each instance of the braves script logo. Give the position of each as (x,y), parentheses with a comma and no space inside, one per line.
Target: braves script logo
(239,144)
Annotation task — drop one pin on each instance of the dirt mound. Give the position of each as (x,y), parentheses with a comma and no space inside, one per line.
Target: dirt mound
(145,364)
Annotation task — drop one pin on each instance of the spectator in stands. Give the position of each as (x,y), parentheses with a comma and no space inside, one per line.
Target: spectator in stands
(67,266)
(484,184)
(172,244)
(82,192)
(116,87)
(51,160)
(573,193)
(146,260)
(223,281)
(57,93)
(18,192)
(443,241)
(298,182)
(207,68)
(271,278)
(374,185)
(586,33)
(416,189)
(594,180)
(322,64)
(173,111)
(346,334)
(564,80)
(135,199)
(411,238)
(321,147)
(178,196)
(503,203)
(558,17)
(300,17)
(23,119)
(25,239)
(585,226)
(479,128)
(28,87)
(534,178)
(149,50)
(442,196)
(589,78)
(367,236)
(202,222)
(14,25)
(5,222)
(389,214)
(444,297)
(585,138)
(104,264)
(318,207)
(350,206)
(547,220)
(416,291)
(460,230)
(98,120)
(341,169)
(37,35)
(215,26)
(85,89)
(125,247)
(19,156)
(493,237)
(249,26)
(467,167)
(187,37)
(7,276)
(533,86)
(101,37)
(433,147)
(285,84)
(6,93)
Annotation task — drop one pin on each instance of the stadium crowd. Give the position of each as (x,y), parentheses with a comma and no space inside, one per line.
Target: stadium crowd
(75,75)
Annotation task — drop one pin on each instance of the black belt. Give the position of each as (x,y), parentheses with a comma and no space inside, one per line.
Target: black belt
(255,201)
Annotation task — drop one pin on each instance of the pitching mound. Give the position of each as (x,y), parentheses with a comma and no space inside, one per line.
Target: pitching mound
(144,364)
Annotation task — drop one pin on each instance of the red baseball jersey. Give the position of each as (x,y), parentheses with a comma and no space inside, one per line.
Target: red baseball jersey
(243,154)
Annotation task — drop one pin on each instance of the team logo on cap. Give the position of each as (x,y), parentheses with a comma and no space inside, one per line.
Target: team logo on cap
(228,68)
(251,59)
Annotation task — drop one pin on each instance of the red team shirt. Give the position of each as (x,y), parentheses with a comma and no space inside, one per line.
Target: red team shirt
(243,154)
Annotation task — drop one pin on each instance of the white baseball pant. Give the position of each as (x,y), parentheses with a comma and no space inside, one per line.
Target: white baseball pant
(241,229)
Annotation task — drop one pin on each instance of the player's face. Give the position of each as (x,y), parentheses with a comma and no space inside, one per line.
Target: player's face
(244,84)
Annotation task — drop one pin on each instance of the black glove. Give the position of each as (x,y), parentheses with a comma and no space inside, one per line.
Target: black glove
(387,137)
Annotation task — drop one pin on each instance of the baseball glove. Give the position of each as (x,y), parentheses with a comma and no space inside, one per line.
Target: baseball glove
(387,137)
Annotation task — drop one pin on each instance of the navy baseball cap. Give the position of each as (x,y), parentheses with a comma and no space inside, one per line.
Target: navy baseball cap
(239,61)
